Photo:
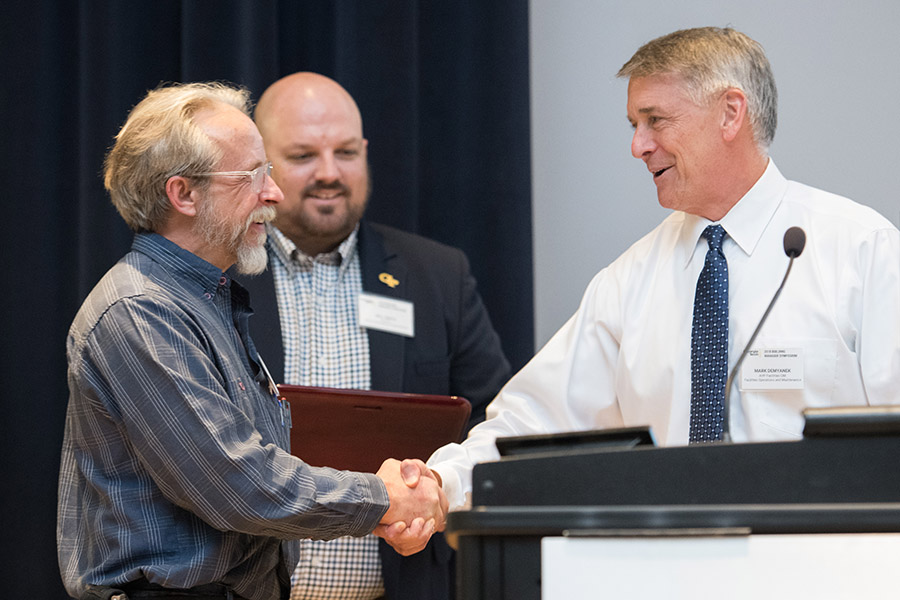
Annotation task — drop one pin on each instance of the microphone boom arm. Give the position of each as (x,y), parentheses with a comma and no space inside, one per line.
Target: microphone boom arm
(726,437)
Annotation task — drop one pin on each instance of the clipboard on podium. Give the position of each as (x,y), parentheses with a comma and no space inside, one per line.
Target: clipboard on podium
(357,430)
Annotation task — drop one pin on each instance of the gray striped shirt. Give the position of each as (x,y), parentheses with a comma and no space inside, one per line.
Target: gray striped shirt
(173,465)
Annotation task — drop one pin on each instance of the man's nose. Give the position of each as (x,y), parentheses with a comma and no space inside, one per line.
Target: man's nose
(642,143)
(326,169)
(271,193)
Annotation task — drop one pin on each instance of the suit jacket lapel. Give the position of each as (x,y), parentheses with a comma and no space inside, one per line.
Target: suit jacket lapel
(386,350)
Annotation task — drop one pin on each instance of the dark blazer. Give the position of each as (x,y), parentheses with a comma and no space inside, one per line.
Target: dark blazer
(455,351)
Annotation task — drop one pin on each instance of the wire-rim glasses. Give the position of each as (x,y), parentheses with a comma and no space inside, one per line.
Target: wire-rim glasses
(257,176)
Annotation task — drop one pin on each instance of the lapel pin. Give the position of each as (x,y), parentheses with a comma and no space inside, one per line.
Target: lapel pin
(388,280)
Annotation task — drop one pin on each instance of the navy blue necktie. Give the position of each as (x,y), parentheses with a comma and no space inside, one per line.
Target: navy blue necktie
(709,343)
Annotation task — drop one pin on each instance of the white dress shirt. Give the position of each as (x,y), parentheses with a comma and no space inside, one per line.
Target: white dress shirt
(623,359)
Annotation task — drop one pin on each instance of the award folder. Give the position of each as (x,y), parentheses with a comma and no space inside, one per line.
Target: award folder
(357,430)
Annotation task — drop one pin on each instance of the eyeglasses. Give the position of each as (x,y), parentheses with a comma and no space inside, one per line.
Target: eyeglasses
(257,176)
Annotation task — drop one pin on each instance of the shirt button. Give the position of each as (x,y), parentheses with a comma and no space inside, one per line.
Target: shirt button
(208,296)
(223,280)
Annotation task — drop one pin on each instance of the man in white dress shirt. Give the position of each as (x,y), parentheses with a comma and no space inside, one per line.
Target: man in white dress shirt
(703,106)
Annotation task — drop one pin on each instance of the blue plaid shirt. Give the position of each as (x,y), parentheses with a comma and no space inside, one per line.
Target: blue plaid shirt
(173,467)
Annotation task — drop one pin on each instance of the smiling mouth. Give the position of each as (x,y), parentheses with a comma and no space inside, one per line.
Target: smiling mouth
(325,192)
(262,216)
(331,195)
(660,172)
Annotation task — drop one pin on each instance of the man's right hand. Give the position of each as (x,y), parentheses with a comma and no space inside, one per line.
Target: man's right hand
(418,505)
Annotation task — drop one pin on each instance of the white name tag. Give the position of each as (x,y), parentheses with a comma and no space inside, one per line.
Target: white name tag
(773,369)
(387,314)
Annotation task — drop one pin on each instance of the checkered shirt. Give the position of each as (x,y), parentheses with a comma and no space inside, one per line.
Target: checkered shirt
(325,346)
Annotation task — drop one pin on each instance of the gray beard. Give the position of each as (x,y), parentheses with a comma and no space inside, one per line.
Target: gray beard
(252,258)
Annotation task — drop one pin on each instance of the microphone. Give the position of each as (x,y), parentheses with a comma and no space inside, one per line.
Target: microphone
(794,242)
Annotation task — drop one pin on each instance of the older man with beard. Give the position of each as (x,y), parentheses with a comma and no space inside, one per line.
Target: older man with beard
(175,481)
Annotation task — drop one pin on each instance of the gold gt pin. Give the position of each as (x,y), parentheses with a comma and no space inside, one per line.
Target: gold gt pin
(388,280)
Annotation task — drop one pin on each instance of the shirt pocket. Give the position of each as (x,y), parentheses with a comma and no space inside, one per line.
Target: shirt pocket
(263,411)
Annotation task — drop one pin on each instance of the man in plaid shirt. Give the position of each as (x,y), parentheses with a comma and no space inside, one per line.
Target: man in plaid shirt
(174,479)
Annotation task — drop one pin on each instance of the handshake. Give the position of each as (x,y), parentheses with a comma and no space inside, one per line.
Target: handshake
(418,505)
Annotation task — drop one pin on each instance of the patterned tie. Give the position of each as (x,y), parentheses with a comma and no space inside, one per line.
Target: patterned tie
(709,343)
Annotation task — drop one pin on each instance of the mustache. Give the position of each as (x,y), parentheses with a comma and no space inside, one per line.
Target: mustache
(264,214)
(316,187)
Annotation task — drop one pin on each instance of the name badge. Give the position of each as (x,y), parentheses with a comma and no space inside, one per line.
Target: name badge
(773,369)
(387,314)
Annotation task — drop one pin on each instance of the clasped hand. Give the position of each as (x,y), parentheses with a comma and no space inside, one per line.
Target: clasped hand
(418,505)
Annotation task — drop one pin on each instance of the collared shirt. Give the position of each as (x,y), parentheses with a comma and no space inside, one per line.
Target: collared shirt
(623,359)
(173,465)
(317,305)
(325,346)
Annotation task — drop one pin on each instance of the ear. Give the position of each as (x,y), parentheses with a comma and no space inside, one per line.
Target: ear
(734,113)
(182,195)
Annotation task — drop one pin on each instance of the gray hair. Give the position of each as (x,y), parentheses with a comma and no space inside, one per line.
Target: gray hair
(710,60)
(160,140)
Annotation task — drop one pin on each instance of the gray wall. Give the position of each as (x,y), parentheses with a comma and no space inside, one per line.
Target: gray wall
(837,65)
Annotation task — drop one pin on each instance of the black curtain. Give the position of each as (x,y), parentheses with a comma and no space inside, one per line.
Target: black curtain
(443,89)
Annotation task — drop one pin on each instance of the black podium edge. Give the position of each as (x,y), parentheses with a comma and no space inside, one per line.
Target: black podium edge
(758,519)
